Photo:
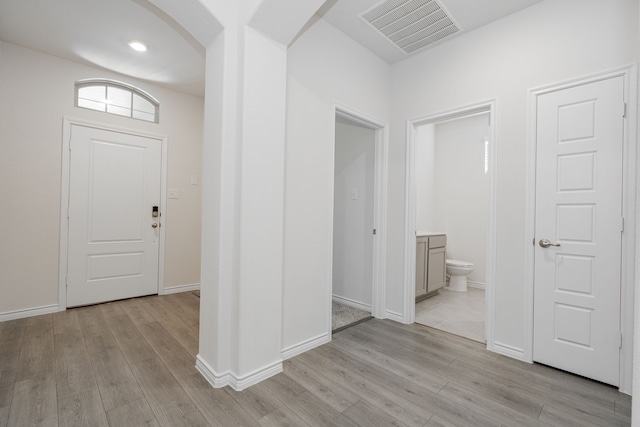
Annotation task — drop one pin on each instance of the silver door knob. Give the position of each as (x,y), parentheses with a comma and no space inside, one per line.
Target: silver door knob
(154,225)
(546,243)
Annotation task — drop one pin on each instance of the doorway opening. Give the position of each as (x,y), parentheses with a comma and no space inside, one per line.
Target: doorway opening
(357,243)
(451,167)
(450,219)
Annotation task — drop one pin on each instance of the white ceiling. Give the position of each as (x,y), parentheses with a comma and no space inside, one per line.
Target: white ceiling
(468,14)
(96,32)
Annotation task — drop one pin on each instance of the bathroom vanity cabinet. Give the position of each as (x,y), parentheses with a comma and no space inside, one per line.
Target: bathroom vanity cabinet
(431,264)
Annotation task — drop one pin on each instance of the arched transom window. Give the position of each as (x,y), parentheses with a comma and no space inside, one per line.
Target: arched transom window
(118,98)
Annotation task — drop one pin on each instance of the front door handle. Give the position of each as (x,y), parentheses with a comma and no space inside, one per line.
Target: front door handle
(545,243)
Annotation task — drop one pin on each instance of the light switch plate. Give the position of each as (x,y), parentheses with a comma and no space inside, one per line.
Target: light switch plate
(194,179)
(173,193)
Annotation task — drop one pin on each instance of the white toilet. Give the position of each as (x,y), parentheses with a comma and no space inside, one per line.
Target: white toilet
(458,271)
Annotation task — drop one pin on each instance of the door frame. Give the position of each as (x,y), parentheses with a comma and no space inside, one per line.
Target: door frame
(409,308)
(630,171)
(67,123)
(381,132)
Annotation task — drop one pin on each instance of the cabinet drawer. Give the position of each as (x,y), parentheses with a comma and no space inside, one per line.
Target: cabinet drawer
(437,241)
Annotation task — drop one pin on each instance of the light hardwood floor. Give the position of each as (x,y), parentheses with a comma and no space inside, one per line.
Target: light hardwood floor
(130,363)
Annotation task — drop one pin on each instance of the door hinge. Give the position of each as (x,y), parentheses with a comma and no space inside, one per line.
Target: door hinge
(621,224)
(374,231)
(624,110)
(620,344)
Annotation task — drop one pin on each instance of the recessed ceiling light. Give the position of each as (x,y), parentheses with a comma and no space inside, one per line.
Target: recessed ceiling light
(138,46)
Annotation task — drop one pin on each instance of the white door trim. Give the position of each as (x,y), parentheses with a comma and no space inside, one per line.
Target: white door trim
(409,309)
(379,206)
(67,123)
(630,75)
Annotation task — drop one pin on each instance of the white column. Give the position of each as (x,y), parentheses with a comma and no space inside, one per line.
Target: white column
(243,209)
(243,191)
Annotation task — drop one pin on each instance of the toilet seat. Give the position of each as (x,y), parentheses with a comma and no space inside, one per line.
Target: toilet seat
(458,263)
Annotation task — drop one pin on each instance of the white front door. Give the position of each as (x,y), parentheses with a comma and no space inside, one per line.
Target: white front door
(578,229)
(113,235)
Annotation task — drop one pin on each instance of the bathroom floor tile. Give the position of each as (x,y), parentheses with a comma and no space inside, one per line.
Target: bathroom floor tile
(460,313)
(469,329)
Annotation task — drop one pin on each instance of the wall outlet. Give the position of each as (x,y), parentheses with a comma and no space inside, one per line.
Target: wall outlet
(173,193)
(194,179)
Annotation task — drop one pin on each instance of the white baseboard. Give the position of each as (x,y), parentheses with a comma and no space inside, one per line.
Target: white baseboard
(217,381)
(234,381)
(307,345)
(476,285)
(352,303)
(397,317)
(507,350)
(180,288)
(28,312)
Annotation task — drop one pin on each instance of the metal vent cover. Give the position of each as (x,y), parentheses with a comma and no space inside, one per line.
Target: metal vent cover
(410,25)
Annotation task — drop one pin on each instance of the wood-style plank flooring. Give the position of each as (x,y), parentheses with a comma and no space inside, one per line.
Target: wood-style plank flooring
(131,363)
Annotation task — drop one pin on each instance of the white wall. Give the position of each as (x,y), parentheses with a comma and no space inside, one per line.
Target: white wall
(353,217)
(461,190)
(36,92)
(549,42)
(323,65)
(425,176)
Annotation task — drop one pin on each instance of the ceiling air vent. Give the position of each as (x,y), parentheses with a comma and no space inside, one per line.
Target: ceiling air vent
(410,25)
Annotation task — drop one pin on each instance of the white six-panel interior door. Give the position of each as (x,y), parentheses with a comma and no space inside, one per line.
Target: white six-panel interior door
(113,241)
(578,226)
